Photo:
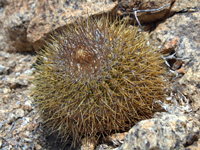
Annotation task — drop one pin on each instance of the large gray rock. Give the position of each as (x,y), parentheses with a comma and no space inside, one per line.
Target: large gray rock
(185,26)
(15,27)
(167,131)
(25,24)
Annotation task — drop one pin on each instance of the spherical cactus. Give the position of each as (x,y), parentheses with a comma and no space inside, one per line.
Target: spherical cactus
(96,77)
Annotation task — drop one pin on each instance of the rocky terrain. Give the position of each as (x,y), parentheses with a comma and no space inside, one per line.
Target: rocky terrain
(24,24)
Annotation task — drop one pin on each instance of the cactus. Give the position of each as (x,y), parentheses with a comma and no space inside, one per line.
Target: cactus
(97,76)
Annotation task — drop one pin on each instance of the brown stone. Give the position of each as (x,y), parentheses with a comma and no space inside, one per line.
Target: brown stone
(169,46)
(177,64)
(38,147)
(17,106)
(26,107)
(32,126)
(126,7)
(117,138)
(182,70)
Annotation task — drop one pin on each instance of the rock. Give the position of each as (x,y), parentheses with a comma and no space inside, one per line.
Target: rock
(32,127)
(20,81)
(3,3)
(12,64)
(11,118)
(4,70)
(26,107)
(3,42)
(28,102)
(181,71)
(184,6)
(6,91)
(17,106)
(49,19)
(126,7)
(27,140)
(19,113)
(117,139)
(14,85)
(185,26)
(25,25)
(191,83)
(28,72)
(38,147)
(169,46)
(195,146)
(16,26)
(15,19)
(168,131)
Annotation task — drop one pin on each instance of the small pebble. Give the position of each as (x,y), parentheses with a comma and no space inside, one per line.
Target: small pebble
(19,113)
(6,90)
(28,102)
(27,140)
(4,70)
(26,107)
(38,147)
(16,106)
(1,142)
(11,118)
(17,73)
(24,128)
(191,10)
(28,72)
(26,120)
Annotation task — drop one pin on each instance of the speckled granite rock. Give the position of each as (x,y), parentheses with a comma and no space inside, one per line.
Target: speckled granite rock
(15,27)
(15,17)
(184,6)
(185,26)
(191,84)
(4,70)
(168,131)
(57,15)
(126,7)
(24,24)
(17,122)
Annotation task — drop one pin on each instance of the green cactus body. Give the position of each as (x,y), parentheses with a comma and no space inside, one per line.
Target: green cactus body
(97,77)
